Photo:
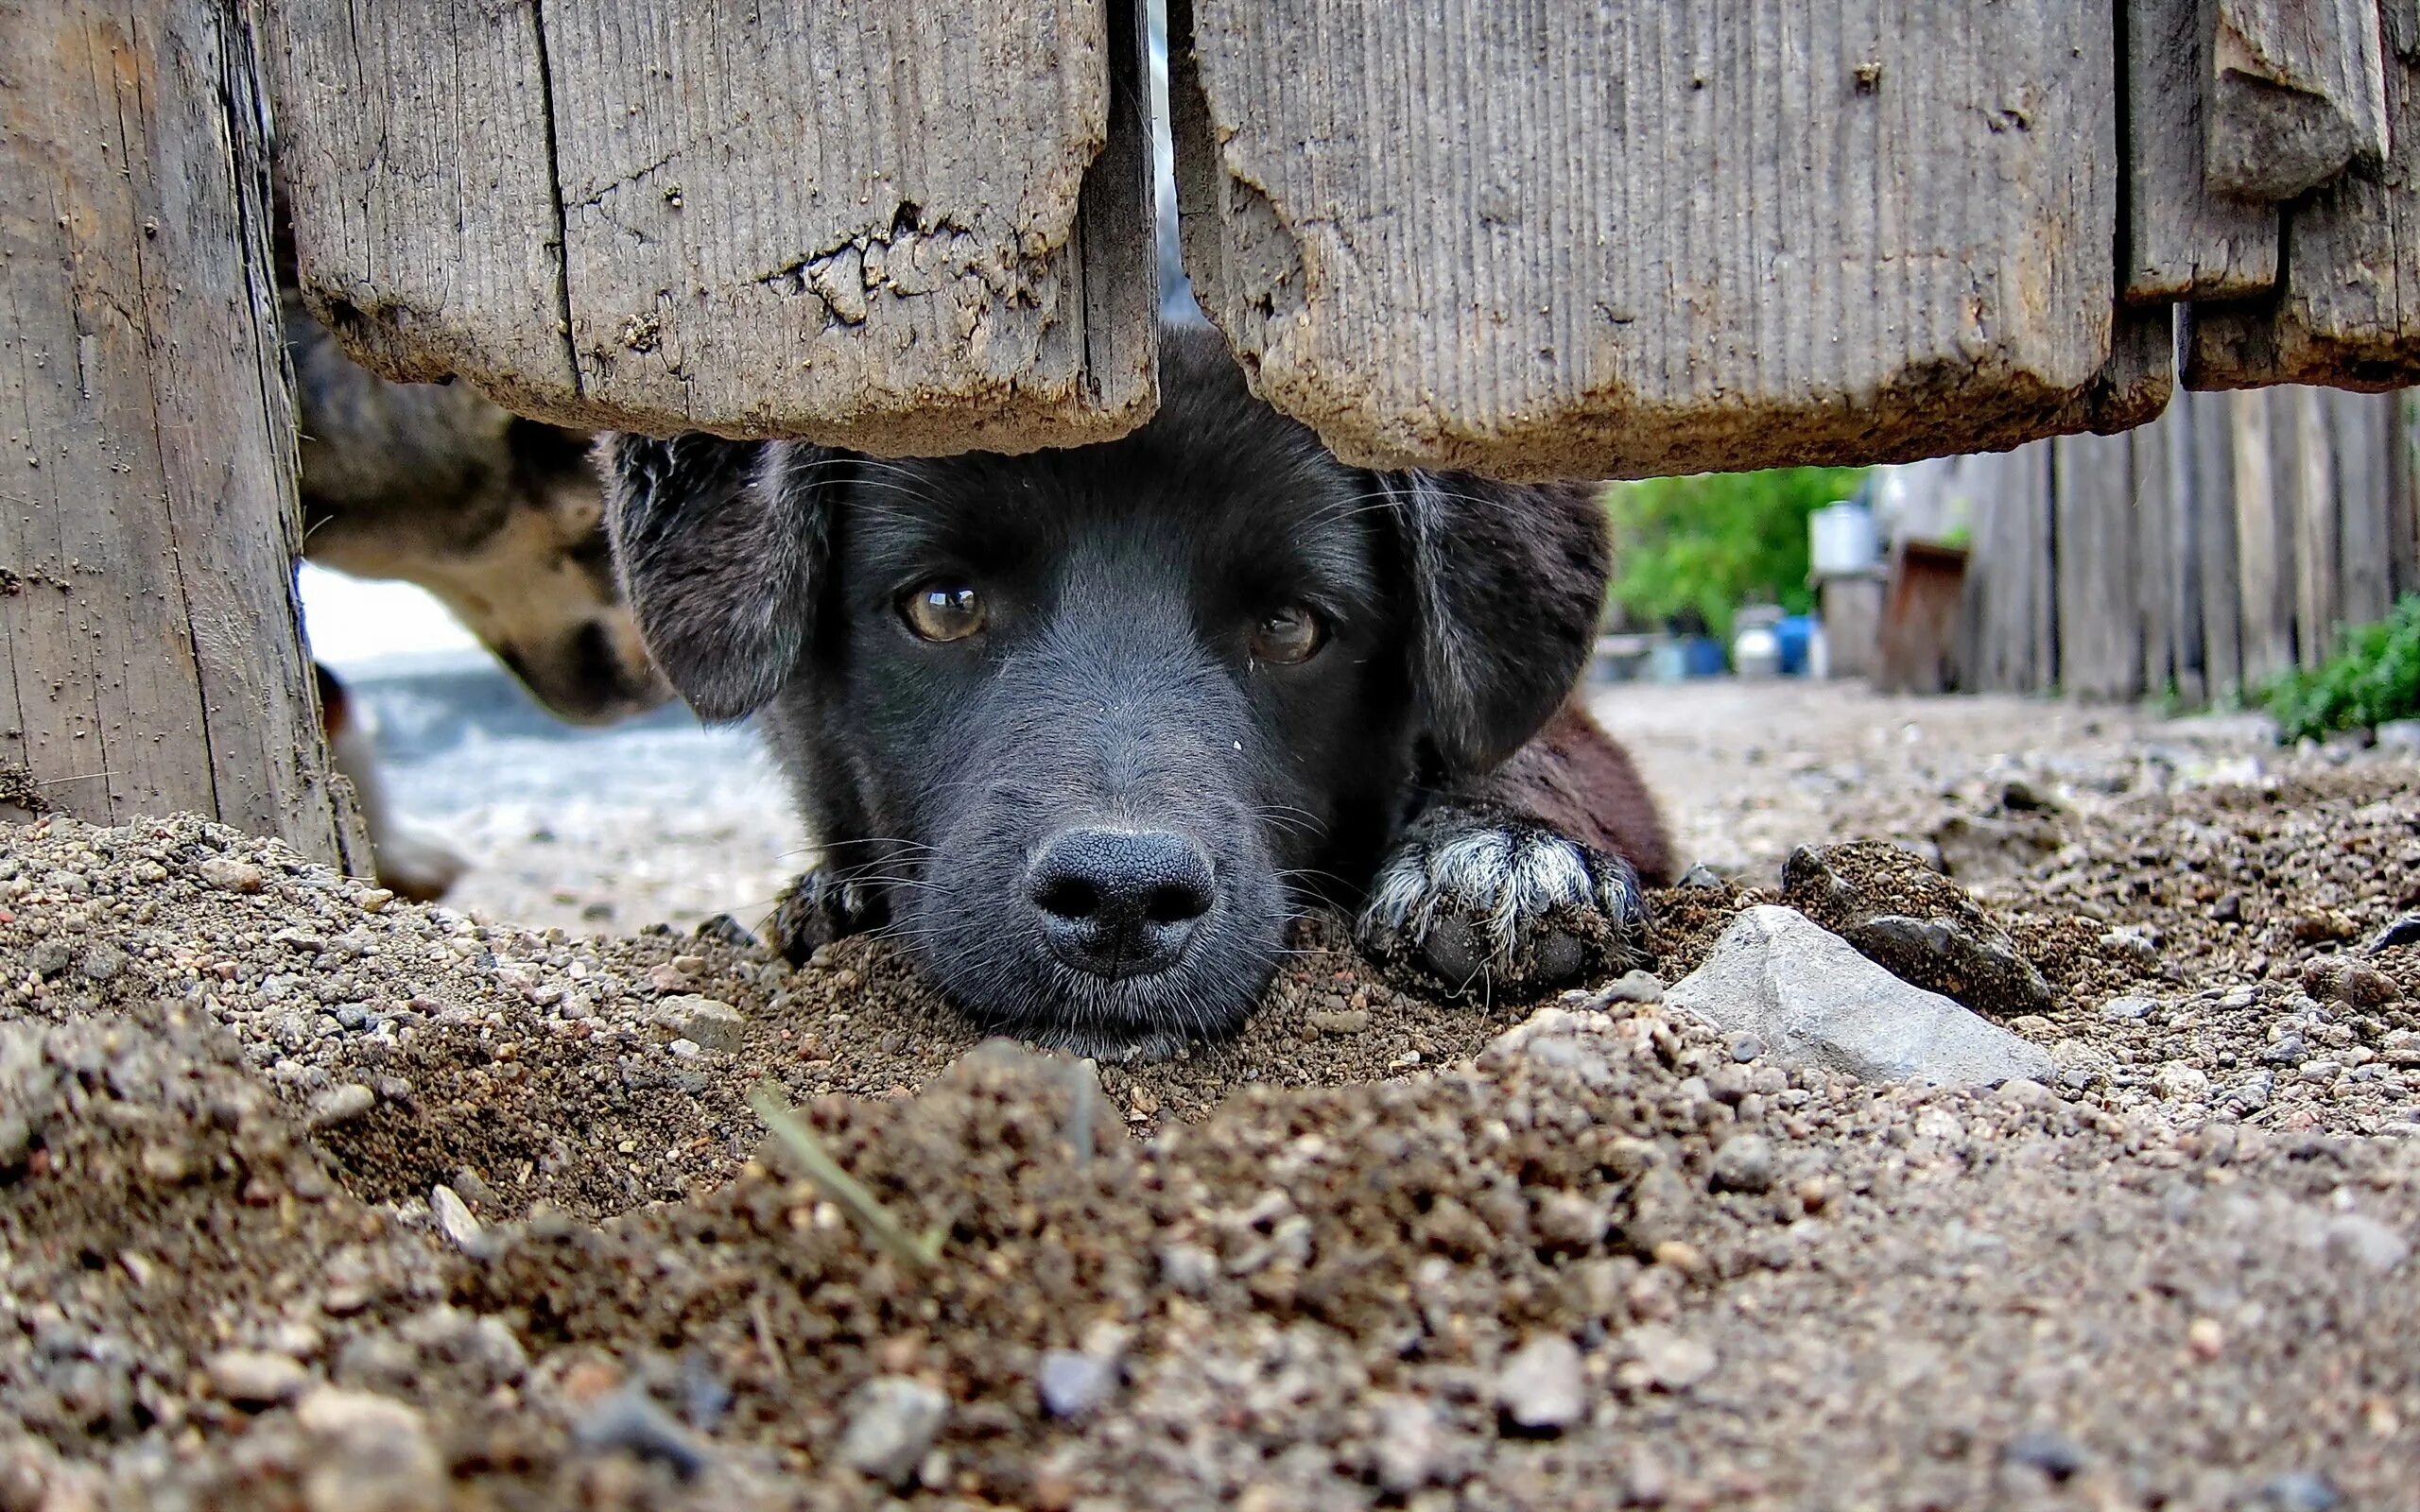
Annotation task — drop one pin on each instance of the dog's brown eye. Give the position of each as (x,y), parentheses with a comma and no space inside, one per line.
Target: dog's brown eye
(1290,635)
(942,611)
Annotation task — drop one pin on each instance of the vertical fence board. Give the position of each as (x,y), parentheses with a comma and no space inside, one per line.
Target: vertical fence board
(2358,429)
(2207,421)
(2147,481)
(2100,613)
(151,654)
(2307,487)
(2403,490)
(2264,543)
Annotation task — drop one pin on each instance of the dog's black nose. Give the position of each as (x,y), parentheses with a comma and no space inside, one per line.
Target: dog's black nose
(1119,902)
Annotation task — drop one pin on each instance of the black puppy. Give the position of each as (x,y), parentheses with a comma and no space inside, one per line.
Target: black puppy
(1083,728)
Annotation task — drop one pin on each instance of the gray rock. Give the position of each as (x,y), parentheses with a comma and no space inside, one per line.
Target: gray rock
(1746,1163)
(892,1423)
(231,874)
(1408,1446)
(456,1220)
(1632,986)
(341,1105)
(2364,1241)
(2049,1451)
(1542,1389)
(102,962)
(2298,1490)
(702,1021)
(2127,1010)
(1073,1382)
(1702,875)
(256,1377)
(1812,998)
(2289,1051)
(1746,1047)
(630,1420)
(1673,1361)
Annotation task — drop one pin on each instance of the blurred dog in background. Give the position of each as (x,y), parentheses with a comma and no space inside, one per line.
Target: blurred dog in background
(500,518)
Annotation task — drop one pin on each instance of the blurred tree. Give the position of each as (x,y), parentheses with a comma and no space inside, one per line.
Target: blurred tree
(1706,545)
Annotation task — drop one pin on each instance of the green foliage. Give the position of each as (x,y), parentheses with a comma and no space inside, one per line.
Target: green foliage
(1718,539)
(2373,677)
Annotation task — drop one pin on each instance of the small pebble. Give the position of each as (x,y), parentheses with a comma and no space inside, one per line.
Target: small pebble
(1408,1446)
(2049,1451)
(256,1377)
(1672,1359)
(1746,1163)
(230,874)
(892,1423)
(456,1222)
(630,1420)
(341,1105)
(1746,1047)
(1073,1383)
(1542,1389)
(2128,1009)
(2298,1491)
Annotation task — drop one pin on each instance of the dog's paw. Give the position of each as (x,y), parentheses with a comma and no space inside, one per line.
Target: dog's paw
(1496,902)
(818,907)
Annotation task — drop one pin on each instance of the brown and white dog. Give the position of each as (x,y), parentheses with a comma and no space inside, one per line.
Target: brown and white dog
(501,519)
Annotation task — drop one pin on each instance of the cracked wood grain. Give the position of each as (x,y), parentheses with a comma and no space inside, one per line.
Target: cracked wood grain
(2346,312)
(896,227)
(1537,239)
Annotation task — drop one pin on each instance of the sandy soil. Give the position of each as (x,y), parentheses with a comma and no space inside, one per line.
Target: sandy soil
(309,1197)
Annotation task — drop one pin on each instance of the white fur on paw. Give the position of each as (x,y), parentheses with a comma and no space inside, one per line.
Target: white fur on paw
(1505,882)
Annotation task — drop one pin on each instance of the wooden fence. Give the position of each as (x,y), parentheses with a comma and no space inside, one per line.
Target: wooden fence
(2199,554)
(1536,239)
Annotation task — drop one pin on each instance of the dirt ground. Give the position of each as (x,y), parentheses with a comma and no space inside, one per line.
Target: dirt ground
(312,1198)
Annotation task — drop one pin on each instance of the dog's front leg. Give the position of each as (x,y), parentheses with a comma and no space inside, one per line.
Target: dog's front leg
(1489,899)
(823,905)
(1527,877)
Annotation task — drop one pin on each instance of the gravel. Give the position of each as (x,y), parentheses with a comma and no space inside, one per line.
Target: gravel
(1381,1250)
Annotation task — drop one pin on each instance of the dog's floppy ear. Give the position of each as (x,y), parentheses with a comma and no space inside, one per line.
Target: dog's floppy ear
(723,547)
(1509,580)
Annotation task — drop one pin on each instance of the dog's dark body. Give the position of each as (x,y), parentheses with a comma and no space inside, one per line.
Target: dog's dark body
(1083,728)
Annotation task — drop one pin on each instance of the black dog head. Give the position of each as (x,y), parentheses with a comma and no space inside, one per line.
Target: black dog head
(1082,724)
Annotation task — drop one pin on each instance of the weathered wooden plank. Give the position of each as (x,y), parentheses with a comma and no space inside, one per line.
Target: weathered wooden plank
(2156,568)
(2182,241)
(151,653)
(1996,644)
(2037,480)
(2360,425)
(1618,240)
(2403,491)
(2348,309)
(2296,94)
(894,226)
(2306,463)
(2264,538)
(2209,421)
(2099,590)
(2180,553)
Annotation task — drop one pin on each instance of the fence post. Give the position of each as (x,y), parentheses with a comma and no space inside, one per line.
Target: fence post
(150,649)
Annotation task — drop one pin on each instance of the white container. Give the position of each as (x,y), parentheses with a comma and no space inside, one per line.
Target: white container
(1841,538)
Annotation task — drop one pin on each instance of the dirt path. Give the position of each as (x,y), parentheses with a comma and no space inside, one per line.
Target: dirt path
(1380,1251)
